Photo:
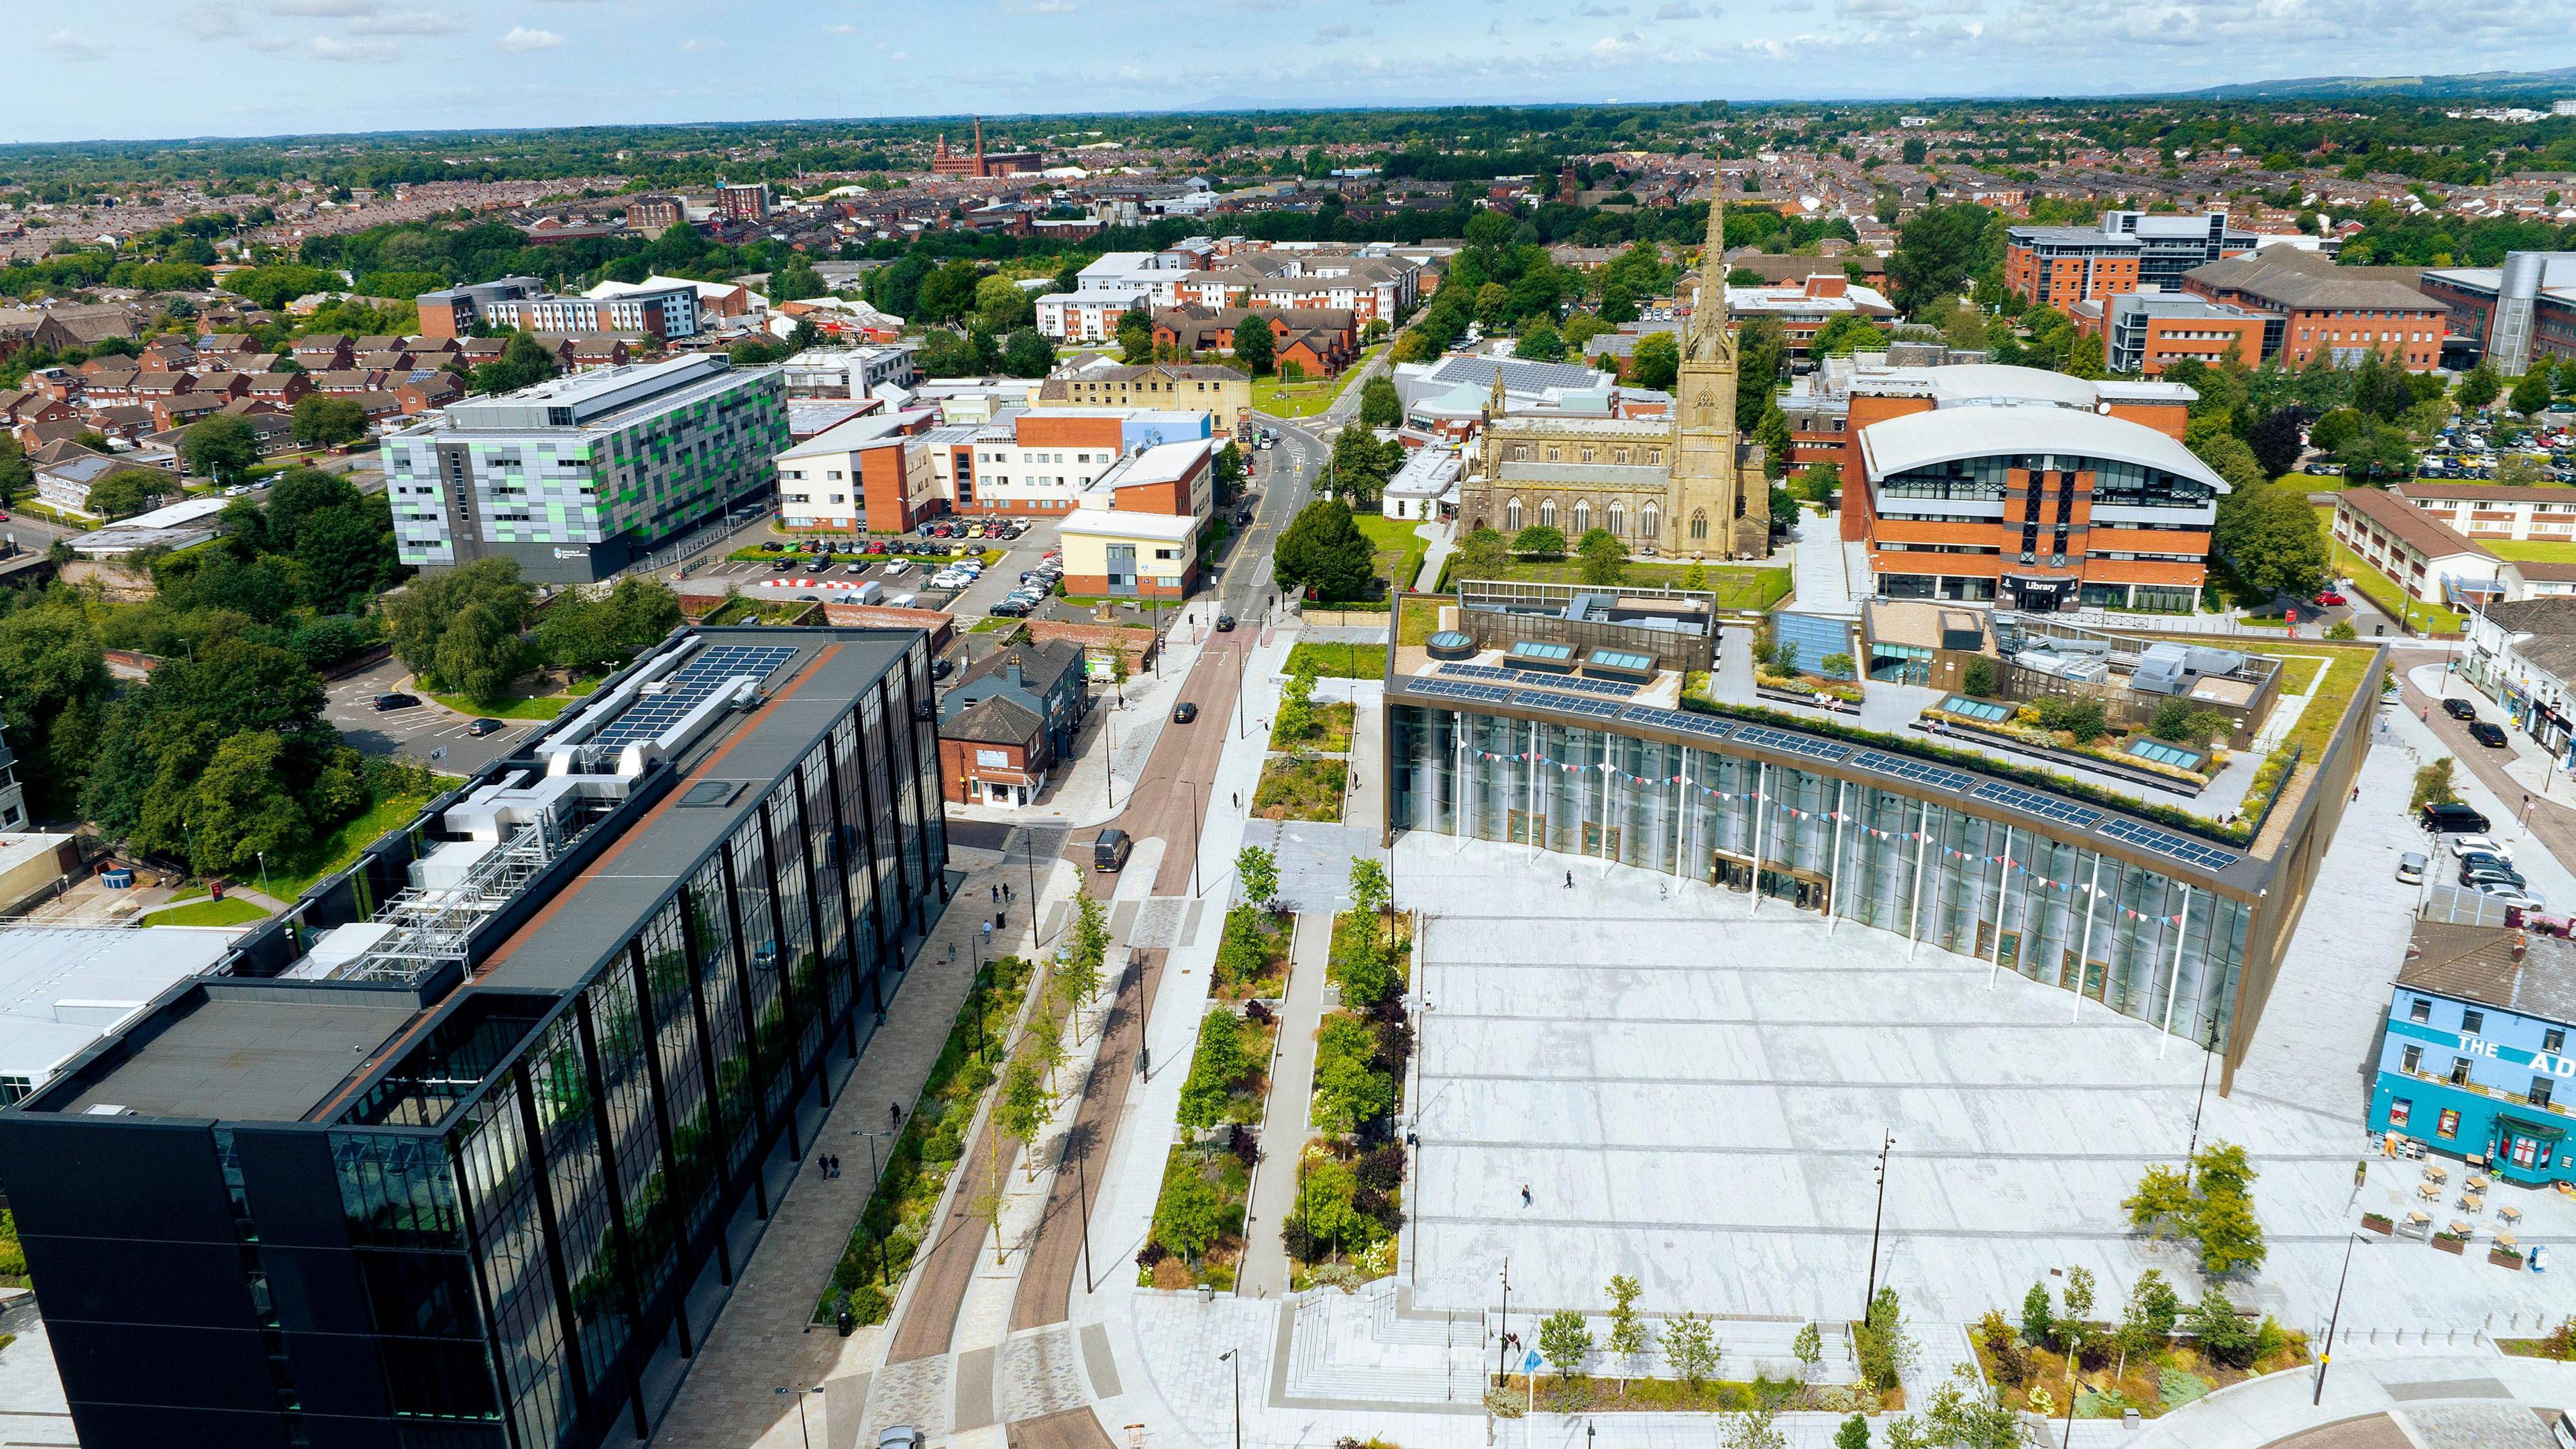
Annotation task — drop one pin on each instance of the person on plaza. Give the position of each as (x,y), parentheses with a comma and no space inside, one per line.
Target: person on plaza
(894,1115)
(1525,1195)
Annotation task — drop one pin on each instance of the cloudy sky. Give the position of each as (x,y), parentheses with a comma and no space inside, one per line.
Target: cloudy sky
(167,68)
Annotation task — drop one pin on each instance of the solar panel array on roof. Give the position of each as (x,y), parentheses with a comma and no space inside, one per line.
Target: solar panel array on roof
(1597,708)
(651,714)
(1611,688)
(1939,777)
(2165,842)
(1460,689)
(2032,802)
(1706,726)
(1792,744)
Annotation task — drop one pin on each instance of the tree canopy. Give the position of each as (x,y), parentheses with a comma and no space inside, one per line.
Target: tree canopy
(1323,550)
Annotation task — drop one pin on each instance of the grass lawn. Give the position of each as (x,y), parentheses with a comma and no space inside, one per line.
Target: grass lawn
(1399,549)
(2531,550)
(230,911)
(289,879)
(2314,482)
(2298,674)
(1339,661)
(2345,667)
(543,707)
(1737,586)
(2383,591)
(1306,399)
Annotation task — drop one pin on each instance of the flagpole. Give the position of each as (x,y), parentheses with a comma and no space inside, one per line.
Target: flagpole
(1914,917)
(2084,953)
(2003,893)
(2173,988)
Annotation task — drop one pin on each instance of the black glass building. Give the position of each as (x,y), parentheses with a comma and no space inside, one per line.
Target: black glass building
(469,1152)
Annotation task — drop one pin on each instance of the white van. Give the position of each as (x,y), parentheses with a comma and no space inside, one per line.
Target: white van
(868,593)
(904,601)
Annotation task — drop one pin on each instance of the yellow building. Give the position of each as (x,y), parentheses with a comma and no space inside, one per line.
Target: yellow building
(1224,394)
(1114,553)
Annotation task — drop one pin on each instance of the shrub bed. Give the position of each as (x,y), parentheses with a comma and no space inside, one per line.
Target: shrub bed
(1252,957)
(916,1170)
(1350,1178)
(1300,788)
(1197,1235)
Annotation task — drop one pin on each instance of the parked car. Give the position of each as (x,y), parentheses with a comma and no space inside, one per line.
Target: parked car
(389,702)
(2459,709)
(2331,600)
(1184,712)
(785,565)
(1010,609)
(2455,818)
(2487,733)
(942,667)
(2410,867)
(2465,846)
(482,727)
(898,568)
(2512,895)
(771,546)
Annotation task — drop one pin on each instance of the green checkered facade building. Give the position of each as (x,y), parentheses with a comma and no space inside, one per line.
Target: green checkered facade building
(582,476)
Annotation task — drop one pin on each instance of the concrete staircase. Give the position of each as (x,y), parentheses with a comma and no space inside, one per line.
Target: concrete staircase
(1361,1348)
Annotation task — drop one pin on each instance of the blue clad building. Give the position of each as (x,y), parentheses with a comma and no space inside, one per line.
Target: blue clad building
(2475,1062)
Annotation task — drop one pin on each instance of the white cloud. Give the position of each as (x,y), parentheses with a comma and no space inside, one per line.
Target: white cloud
(522,38)
(693,45)
(1678,10)
(1626,45)
(843,30)
(355,52)
(1043,7)
(63,45)
(1334,31)
(407,22)
(1595,8)
(216,22)
(334,8)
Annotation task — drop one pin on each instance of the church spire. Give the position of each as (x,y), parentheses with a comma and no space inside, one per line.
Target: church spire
(1708,313)
(1494,402)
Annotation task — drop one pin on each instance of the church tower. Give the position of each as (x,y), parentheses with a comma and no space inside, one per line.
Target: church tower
(1721,498)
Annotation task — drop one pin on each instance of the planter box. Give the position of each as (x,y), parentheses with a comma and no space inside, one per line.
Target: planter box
(2506,1260)
(2377,1224)
(2457,1247)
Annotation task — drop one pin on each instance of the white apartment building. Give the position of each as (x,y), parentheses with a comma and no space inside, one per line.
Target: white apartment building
(849,372)
(1107,289)
(2497,510)
(670,312)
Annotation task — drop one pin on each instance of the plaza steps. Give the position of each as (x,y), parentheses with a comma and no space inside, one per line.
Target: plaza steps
(1359,1347)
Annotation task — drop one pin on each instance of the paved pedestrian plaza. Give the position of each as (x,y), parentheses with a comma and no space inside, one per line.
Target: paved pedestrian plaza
(1694,1093)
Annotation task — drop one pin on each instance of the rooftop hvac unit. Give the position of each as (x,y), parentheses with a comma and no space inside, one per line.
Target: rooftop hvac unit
(2162,669)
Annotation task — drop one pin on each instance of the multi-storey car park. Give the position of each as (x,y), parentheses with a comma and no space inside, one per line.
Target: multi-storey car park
(2160,881)
(468,1147)
(579,477)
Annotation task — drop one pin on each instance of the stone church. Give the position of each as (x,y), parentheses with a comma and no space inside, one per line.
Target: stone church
(1687,487)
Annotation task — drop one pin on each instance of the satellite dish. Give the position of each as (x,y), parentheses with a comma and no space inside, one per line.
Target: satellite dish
(2103,407)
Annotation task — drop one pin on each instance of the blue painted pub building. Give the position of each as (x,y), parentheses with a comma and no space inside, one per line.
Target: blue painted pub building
(2475,1062)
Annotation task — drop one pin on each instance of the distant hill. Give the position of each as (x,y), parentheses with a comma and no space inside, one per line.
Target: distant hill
(2479,85)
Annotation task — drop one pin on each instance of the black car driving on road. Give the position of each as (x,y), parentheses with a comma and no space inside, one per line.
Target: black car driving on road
(2459,709)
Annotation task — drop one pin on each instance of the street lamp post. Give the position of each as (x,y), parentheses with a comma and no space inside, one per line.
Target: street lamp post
(1869,1293)
(2327,1356)
(2074,1343)
(1503,1336)
(2209,1053)
(1109,755)
(1228,1357)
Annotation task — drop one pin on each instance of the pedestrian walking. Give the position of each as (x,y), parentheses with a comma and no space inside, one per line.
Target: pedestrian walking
(1569,880)
(2356,793)
(1525,1195)
(894,1115)
(997,894)
(1238,799)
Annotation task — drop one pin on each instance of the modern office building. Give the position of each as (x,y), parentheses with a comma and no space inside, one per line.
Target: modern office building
(2474,1058)
(2150,329)
(468,1149)
(1978,482)
(2316,308)
(2056,266)
(64,987)
(1560,717)
(2518,313)
(581,476)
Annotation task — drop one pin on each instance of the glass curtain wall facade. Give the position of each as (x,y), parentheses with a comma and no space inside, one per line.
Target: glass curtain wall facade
(536,1238)
(2147,945)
